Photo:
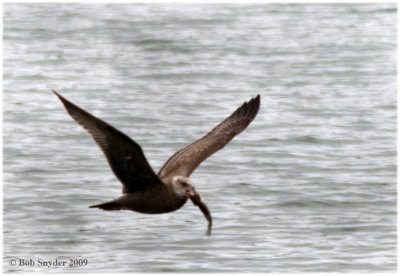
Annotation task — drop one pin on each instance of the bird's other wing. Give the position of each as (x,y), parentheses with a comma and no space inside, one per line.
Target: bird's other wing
(124,155)
(186,160)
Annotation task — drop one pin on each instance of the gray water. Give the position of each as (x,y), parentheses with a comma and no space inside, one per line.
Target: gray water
(310,186)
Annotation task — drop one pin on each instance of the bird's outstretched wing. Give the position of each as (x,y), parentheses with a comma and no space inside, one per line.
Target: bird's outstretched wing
(186,160)
(124,155)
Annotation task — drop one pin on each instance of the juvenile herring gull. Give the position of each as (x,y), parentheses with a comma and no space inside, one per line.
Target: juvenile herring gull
(145,191)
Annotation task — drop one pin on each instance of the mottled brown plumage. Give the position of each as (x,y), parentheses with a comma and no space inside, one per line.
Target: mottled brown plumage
(143,190)
(186,160)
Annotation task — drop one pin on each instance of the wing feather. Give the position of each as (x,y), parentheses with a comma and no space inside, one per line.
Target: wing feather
(186,160)
(125,156)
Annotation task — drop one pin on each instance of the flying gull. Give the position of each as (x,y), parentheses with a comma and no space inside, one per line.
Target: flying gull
(145,191)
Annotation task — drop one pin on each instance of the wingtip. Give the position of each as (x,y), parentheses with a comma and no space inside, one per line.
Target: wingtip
(57,94)
(257,98)
(249,109)
(255,106)
(62,99)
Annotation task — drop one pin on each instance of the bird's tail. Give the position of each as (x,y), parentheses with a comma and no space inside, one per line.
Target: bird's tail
(108,206)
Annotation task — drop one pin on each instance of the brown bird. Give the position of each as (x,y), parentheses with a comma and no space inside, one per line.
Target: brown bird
(145,191)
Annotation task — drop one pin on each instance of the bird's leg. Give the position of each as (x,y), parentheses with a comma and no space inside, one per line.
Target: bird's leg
(195,198)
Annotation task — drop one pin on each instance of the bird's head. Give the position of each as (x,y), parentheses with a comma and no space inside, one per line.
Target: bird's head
(184,187)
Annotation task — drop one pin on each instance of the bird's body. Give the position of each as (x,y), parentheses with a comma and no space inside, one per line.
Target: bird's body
(145,191)
(157,200)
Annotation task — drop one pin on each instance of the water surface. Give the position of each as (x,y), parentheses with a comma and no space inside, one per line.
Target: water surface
(310,186)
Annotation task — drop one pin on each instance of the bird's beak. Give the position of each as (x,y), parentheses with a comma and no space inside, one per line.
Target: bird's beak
(195,198)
